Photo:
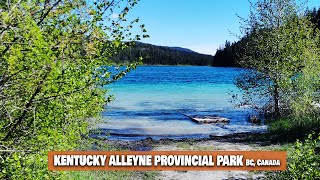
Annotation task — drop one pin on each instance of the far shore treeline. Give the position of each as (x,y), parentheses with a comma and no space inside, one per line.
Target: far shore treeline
(163,55)
(227,55)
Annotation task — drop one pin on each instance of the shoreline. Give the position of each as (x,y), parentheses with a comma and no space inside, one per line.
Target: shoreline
(148,144)
(239,141)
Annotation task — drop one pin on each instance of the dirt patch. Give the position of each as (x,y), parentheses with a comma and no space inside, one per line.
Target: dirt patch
(241,141)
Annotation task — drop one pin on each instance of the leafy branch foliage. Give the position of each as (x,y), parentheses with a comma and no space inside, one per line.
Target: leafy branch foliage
(54,57)
(282,51)
(229,53)
(303,161)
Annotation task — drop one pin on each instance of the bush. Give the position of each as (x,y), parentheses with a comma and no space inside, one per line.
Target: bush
(303,161)
(56,57)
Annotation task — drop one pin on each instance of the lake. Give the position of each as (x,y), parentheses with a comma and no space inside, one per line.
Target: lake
(151,100)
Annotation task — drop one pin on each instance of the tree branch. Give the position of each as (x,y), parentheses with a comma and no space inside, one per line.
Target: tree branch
(47,13)
(37,91)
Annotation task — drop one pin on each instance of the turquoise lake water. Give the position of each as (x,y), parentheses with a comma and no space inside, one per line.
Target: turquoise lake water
(151,100)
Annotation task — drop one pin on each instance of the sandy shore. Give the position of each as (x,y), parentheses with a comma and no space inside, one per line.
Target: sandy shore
(240,141)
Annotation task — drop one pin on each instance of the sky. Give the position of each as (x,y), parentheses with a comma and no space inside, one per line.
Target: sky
(200,25)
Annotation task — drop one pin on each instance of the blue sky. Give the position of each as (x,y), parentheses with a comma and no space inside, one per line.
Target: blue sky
(200,25)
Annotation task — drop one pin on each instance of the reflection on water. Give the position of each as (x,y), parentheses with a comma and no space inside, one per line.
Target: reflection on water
(151,101)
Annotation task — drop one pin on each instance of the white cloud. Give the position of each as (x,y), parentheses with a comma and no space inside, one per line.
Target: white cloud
(115,15)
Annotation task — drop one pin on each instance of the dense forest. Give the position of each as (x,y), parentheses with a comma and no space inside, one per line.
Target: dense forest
(228,54)
(162,55)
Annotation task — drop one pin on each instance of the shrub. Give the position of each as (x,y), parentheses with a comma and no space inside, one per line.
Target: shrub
(303,161)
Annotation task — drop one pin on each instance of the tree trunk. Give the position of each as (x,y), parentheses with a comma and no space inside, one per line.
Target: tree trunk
(276,101)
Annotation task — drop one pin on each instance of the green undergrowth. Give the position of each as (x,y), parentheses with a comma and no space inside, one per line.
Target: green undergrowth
(290,129)
(303,160)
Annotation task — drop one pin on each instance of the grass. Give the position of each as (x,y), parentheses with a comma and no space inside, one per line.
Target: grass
(289,129)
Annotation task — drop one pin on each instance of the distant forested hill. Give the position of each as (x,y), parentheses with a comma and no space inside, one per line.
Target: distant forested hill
(228,54)
(163,55)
